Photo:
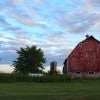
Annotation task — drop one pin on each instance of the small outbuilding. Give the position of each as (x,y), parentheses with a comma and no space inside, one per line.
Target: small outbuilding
(84,60)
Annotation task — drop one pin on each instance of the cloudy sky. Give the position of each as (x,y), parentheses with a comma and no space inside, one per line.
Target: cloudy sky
(55,26)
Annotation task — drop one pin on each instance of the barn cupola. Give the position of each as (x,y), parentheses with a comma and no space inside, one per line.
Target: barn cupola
(87,36)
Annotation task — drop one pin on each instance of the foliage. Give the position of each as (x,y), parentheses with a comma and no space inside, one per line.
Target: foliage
(10,78)
(30,60)
(54,73)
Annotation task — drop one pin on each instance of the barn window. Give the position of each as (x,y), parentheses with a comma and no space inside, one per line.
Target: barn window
(91,72)
(77,72)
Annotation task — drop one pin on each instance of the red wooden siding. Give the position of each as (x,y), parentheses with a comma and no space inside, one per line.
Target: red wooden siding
(85,57)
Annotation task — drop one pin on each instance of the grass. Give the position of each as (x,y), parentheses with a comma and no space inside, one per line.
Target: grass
(77,90)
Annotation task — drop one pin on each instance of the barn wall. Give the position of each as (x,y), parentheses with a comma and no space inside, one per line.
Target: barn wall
(84,58)
(84,75)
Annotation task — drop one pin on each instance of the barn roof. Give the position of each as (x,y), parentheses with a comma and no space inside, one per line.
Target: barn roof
(89,37)
(65,61)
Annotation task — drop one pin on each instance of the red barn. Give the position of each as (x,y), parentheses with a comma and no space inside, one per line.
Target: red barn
(84,60)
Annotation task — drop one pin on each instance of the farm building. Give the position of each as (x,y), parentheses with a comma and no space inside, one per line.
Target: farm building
(84,60)
(53,66)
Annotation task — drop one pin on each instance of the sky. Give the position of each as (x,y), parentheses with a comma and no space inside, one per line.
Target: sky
(55,26)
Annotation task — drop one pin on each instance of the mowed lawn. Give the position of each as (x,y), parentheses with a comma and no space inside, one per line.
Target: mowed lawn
(85,90)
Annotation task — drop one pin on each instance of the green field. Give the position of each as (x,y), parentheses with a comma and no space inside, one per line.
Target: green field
(77,90)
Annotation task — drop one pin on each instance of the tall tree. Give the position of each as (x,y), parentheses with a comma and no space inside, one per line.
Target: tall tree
(30,60)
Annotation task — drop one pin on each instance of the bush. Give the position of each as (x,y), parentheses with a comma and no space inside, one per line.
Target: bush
(4,77)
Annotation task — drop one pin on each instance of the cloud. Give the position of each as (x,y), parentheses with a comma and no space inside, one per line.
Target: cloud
(3,21)
(7,26)
(7,57)
(17,2)
(5,38)
(4,6)
(27,21)
(10,4)
(56,48)
(40,1)
(10,45)
(47,24)
(83,23)
(57,38)
(6,68)
(7,50)
(57,54)
(91,5)
(86,18)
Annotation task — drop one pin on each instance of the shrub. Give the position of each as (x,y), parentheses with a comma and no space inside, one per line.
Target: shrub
(26,78)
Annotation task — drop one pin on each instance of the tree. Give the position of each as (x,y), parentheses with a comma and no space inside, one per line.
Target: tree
(30,60)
